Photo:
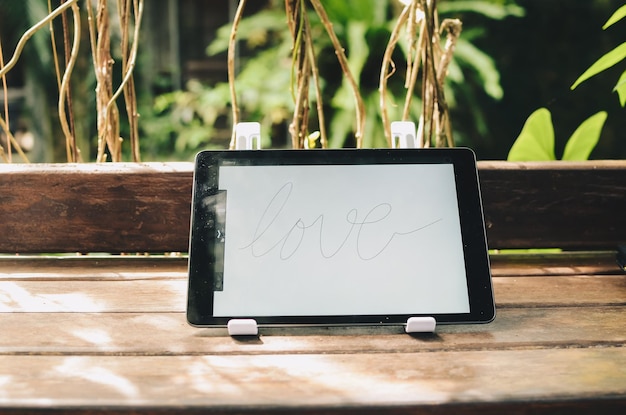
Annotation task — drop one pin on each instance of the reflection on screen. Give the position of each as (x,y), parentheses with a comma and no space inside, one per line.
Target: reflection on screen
(341,240)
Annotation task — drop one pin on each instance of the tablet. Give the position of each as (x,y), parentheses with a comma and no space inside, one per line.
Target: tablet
(334,237)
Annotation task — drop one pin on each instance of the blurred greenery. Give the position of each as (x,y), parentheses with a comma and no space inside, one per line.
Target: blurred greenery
(513,57)
(539,57)
(364,27)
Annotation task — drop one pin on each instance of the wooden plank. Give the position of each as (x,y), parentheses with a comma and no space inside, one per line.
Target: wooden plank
(154,267)
(559,263)
(321,383)
(554,291)
(558,204)
(101,268)
(169,295)
(95,207)
(93,296)
(147,334)
(146,207)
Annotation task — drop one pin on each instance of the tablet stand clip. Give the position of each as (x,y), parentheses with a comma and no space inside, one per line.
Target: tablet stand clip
(248,136)
(403,134)
(420,325)
(242,327)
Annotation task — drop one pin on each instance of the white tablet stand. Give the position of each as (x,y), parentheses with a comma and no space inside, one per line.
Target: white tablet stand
(242,327)
(420,325)
(403,134)
(248,136)
(249,327)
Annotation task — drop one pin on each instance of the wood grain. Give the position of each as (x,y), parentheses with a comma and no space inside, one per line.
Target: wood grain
(156,333)
(574,205)
(144,295)
(107,334)
(86,335)
(321,383)
(95,208)
(146,207)
(141,267)
(144,284)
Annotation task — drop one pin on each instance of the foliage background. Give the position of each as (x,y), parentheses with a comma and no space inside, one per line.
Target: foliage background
(537,55)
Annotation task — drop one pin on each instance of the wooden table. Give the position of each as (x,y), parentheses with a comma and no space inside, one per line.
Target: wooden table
(93,335)
(90,334)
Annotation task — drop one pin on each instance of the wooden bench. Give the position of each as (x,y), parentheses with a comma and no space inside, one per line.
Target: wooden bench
(103,333)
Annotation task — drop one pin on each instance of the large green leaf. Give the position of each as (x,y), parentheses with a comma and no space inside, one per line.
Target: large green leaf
(585,138)
(616,17)
(605,62)
(536,141)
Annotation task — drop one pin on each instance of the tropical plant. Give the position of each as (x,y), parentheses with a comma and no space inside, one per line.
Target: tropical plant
(536,141)
(609,60)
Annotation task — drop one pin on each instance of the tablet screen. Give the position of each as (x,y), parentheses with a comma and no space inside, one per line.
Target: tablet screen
(337,236)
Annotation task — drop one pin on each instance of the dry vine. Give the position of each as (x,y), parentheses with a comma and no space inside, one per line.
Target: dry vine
(67,123)
(426,56)
(129,14)
(5,91)
(18,51)
(108,113)
(231,68)
(305,73)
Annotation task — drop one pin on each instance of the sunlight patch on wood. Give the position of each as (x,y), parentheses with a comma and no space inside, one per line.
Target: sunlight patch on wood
(76,367)
(14,298)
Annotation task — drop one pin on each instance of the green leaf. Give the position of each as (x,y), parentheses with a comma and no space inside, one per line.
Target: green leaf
(358,49)
(620,88)
(341,125)
(536,141)
(371,12)
(255,26)
(486,8)
(605,62)
(483,64)
(616,17)
(583,141)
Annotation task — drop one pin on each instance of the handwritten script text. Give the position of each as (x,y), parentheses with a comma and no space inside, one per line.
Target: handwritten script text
(370,242)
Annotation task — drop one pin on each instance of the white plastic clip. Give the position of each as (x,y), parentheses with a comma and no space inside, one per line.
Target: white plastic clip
(248,136)
(242,327)
(403,134)
(420,325)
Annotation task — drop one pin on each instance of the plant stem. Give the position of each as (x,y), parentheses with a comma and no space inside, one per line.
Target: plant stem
(5,91)
(71,145)
(128,64)
(318,90)
(384,75)
(55,53)
(16,145)
(64,91)
(411,78)
(343,62)
(30,32)
(232,47)
(301,67)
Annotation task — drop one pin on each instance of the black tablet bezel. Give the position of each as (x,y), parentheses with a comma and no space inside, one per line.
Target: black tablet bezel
(202,260)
